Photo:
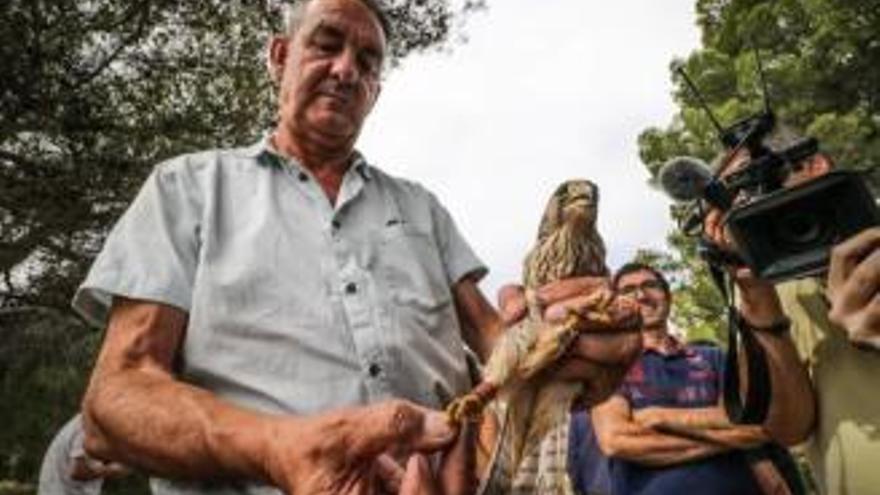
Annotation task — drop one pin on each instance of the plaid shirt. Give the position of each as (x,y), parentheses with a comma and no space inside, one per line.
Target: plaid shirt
(688,377)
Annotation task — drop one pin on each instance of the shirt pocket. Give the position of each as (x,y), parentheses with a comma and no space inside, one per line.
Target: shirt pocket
(411,267)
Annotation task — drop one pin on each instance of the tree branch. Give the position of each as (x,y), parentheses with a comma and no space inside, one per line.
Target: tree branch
(144,9)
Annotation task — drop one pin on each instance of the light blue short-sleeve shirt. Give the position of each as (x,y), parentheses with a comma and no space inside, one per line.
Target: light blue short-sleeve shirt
(295,305)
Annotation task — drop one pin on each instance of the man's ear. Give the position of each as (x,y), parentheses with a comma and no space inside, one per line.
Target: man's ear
(277,57)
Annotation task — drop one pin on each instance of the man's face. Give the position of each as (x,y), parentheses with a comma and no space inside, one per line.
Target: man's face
(646,289)
(330,71)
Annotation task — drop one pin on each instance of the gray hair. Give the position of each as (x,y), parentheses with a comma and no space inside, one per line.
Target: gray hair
(296,12)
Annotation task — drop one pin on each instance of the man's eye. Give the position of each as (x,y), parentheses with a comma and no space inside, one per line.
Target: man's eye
(368,64)
(326,45)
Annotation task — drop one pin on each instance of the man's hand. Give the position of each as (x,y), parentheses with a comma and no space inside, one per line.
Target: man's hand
(85,468)
(341,452)
(600,356)
(853,283)
(758,302)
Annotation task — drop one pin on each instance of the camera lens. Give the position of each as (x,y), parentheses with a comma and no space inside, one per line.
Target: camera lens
(798,231)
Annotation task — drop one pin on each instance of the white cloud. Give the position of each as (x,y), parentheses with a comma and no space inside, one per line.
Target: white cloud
(542,92)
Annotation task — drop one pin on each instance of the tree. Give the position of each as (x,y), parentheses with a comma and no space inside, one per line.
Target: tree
(822,63)
(94,93)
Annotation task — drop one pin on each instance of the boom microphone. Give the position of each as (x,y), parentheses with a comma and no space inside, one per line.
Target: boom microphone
(684,178)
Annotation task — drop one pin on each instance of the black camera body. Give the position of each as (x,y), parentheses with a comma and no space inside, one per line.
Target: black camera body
(781,233)
(788,233)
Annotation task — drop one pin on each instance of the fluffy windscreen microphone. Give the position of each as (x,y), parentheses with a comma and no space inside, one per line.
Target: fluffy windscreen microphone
(684,178)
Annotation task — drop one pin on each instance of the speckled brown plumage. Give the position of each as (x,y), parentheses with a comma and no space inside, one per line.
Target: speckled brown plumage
(531,452)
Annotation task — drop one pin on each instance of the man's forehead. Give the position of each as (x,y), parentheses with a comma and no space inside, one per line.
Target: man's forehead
(637,275)
(351,17)
(733,162)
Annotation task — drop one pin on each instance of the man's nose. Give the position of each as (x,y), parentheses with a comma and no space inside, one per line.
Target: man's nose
(345,67)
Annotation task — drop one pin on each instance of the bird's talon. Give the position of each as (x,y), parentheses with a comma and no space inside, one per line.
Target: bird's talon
(466,408)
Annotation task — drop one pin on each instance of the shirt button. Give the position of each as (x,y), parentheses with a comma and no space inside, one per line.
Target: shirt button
(374,370)
(351,288)
(303,177)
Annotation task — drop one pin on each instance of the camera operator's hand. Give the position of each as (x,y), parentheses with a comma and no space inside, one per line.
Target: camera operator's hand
(758,301)
(853,284)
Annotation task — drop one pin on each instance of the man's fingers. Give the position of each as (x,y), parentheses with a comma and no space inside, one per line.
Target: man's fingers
(568,288)
(858,290)
(458,467)
(511,303)
(394,425)
(418,479)
(582,305)
(621,313)
(610,349)
(390,473)
(847,255)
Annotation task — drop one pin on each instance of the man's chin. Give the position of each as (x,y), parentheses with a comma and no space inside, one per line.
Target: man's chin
(651,320)
(335,128)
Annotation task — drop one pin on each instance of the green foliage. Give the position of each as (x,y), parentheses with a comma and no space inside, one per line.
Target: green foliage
(93,94)
(822,64)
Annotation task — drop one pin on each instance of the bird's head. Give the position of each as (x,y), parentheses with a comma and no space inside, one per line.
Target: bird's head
(575,202)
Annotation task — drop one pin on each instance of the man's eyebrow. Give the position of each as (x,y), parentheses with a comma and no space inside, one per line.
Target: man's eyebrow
(325,29)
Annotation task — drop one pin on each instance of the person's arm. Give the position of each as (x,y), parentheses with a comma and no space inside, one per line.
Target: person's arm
(137,413)
(480,322)
(620,436)
(792,411)
(709,424)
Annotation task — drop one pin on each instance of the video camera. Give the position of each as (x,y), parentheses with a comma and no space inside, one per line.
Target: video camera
(780,232)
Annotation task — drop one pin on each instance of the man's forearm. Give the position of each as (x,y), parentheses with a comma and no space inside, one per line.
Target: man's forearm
(172,429)
(137,413)
(699,417)
(709,424)
(792,406)
(642,445)
(480,322)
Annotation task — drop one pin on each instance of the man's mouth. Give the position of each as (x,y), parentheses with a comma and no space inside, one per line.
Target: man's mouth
(337,96)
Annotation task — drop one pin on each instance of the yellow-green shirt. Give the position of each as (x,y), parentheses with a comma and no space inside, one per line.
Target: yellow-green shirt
(845,448)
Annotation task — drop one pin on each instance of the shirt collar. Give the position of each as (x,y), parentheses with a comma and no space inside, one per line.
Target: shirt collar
(266,155)
(670,346)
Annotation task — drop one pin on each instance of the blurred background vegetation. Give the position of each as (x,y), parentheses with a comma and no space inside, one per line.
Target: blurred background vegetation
(822,64)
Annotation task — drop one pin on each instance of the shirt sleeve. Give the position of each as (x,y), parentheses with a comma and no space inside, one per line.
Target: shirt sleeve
(459,259)
(152,251)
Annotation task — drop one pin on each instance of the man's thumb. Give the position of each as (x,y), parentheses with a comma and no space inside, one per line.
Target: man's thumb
(398,424)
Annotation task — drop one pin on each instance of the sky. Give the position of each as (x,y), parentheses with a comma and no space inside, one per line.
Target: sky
(542,91)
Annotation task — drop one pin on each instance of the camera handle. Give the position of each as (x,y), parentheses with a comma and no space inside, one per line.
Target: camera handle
(753,408)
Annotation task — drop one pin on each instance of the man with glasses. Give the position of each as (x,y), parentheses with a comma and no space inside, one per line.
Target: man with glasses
(664,430)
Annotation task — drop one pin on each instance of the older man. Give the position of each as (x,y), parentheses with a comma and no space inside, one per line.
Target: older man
(274,313)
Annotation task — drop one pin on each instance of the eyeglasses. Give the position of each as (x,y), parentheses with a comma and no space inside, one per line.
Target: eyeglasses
(646,286)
